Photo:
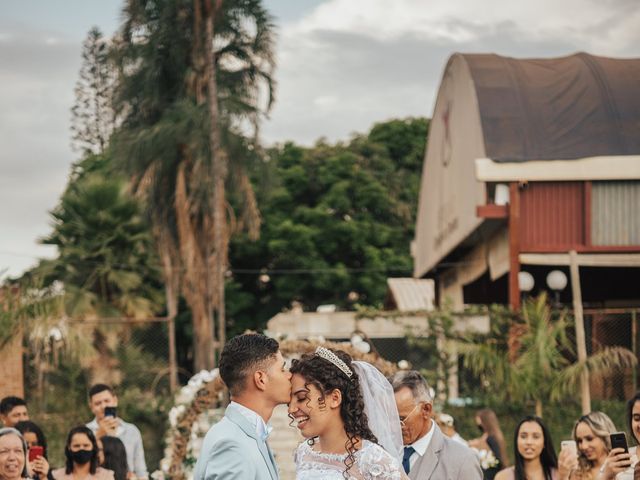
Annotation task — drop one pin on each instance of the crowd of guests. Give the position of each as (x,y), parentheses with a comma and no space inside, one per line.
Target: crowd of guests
(587,456)
(106,448)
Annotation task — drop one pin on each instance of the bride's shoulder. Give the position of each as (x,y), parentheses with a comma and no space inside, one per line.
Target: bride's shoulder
(378,462)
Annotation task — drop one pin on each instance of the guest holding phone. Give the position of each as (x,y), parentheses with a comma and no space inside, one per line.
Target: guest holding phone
(535,457)
(622,461)
(103,402)
(38,465)
(491,440)
(591,433)
(81,452)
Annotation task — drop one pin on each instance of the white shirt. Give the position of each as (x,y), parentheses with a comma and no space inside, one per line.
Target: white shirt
(262,429)
(420,446)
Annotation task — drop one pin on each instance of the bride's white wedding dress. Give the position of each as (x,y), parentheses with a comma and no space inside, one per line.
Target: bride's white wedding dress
(372,462)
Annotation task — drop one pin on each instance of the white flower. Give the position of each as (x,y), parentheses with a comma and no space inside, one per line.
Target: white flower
(157,475)
(486,457)
(165,463)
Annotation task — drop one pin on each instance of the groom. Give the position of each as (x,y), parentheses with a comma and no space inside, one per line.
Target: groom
(255,373)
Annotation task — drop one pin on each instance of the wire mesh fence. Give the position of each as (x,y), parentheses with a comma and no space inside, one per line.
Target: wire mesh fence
(614,328)
(63,362)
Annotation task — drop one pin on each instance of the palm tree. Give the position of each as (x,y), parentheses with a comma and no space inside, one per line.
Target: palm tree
(106,266)
(537,367)
(184,153)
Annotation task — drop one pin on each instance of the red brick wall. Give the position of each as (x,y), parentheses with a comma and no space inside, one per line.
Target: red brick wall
(11,368)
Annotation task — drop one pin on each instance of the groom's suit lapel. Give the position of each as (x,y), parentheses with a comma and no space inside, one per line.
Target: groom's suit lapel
(250,430)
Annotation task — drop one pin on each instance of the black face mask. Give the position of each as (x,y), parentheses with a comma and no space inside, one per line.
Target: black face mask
(82,456)
(480,428)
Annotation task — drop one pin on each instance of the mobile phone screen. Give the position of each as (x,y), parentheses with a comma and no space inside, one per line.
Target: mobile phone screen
(110,412)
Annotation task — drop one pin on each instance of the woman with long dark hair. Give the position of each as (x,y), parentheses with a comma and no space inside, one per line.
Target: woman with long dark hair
(535,457)
(33,437)
(81,452)
(491,440)
(115,457)
(620,465)
(328,407)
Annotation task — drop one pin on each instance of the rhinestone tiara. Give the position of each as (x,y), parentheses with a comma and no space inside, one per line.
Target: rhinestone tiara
(333,358)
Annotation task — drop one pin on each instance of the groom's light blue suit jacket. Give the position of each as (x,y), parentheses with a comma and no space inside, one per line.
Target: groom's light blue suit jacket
(232,450)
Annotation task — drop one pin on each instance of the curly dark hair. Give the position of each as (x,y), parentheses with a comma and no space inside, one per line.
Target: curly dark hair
(243,355)
(326,377)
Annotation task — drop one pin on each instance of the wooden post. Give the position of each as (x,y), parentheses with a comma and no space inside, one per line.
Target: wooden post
(173,363)
(585,394)
(514,245)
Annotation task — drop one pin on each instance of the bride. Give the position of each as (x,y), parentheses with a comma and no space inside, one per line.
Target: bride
(347,413)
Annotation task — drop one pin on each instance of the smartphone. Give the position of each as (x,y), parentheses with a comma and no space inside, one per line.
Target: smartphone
(35,452)
(619,440)
(569,445)
(110,412)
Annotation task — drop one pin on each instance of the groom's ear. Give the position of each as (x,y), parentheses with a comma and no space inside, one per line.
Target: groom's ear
(260,380)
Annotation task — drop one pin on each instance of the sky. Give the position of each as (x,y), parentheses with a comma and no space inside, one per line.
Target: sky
(342,66)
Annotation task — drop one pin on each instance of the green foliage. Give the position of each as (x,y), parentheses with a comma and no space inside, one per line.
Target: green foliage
(336,218)
(105,257)
(533,362)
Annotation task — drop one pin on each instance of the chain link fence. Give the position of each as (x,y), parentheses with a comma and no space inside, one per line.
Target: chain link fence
(62,362)
(609,328)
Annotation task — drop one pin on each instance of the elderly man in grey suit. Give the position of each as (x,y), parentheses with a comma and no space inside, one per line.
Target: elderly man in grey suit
(256,375)
(428,453)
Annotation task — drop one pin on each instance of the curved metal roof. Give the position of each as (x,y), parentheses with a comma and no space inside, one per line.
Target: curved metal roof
(558,108)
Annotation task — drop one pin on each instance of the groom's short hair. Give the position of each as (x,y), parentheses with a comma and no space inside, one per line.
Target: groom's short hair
(242,356)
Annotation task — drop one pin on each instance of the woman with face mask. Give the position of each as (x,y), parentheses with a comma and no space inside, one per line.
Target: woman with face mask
(535,457)
(81,451)
(13,455)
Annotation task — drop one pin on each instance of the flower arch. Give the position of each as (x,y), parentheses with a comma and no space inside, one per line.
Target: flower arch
(206,392)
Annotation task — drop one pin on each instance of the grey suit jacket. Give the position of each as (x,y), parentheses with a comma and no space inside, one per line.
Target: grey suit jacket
(231,450)
(446,459)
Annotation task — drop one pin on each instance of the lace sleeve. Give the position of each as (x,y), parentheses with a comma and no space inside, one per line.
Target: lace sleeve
(377,464)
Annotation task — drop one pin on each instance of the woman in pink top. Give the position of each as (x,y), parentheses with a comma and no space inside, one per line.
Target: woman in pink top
(535,457)
(81,451)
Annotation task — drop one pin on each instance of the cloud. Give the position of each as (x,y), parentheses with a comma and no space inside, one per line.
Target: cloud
(37,75)
(350,63)
(342,65)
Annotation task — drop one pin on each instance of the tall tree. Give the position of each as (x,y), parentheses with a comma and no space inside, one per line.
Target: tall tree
(173,56)
(105,267)
(92,115)
(338,221)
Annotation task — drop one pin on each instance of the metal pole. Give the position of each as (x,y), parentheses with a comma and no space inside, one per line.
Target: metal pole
(585,394)
(634,347)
